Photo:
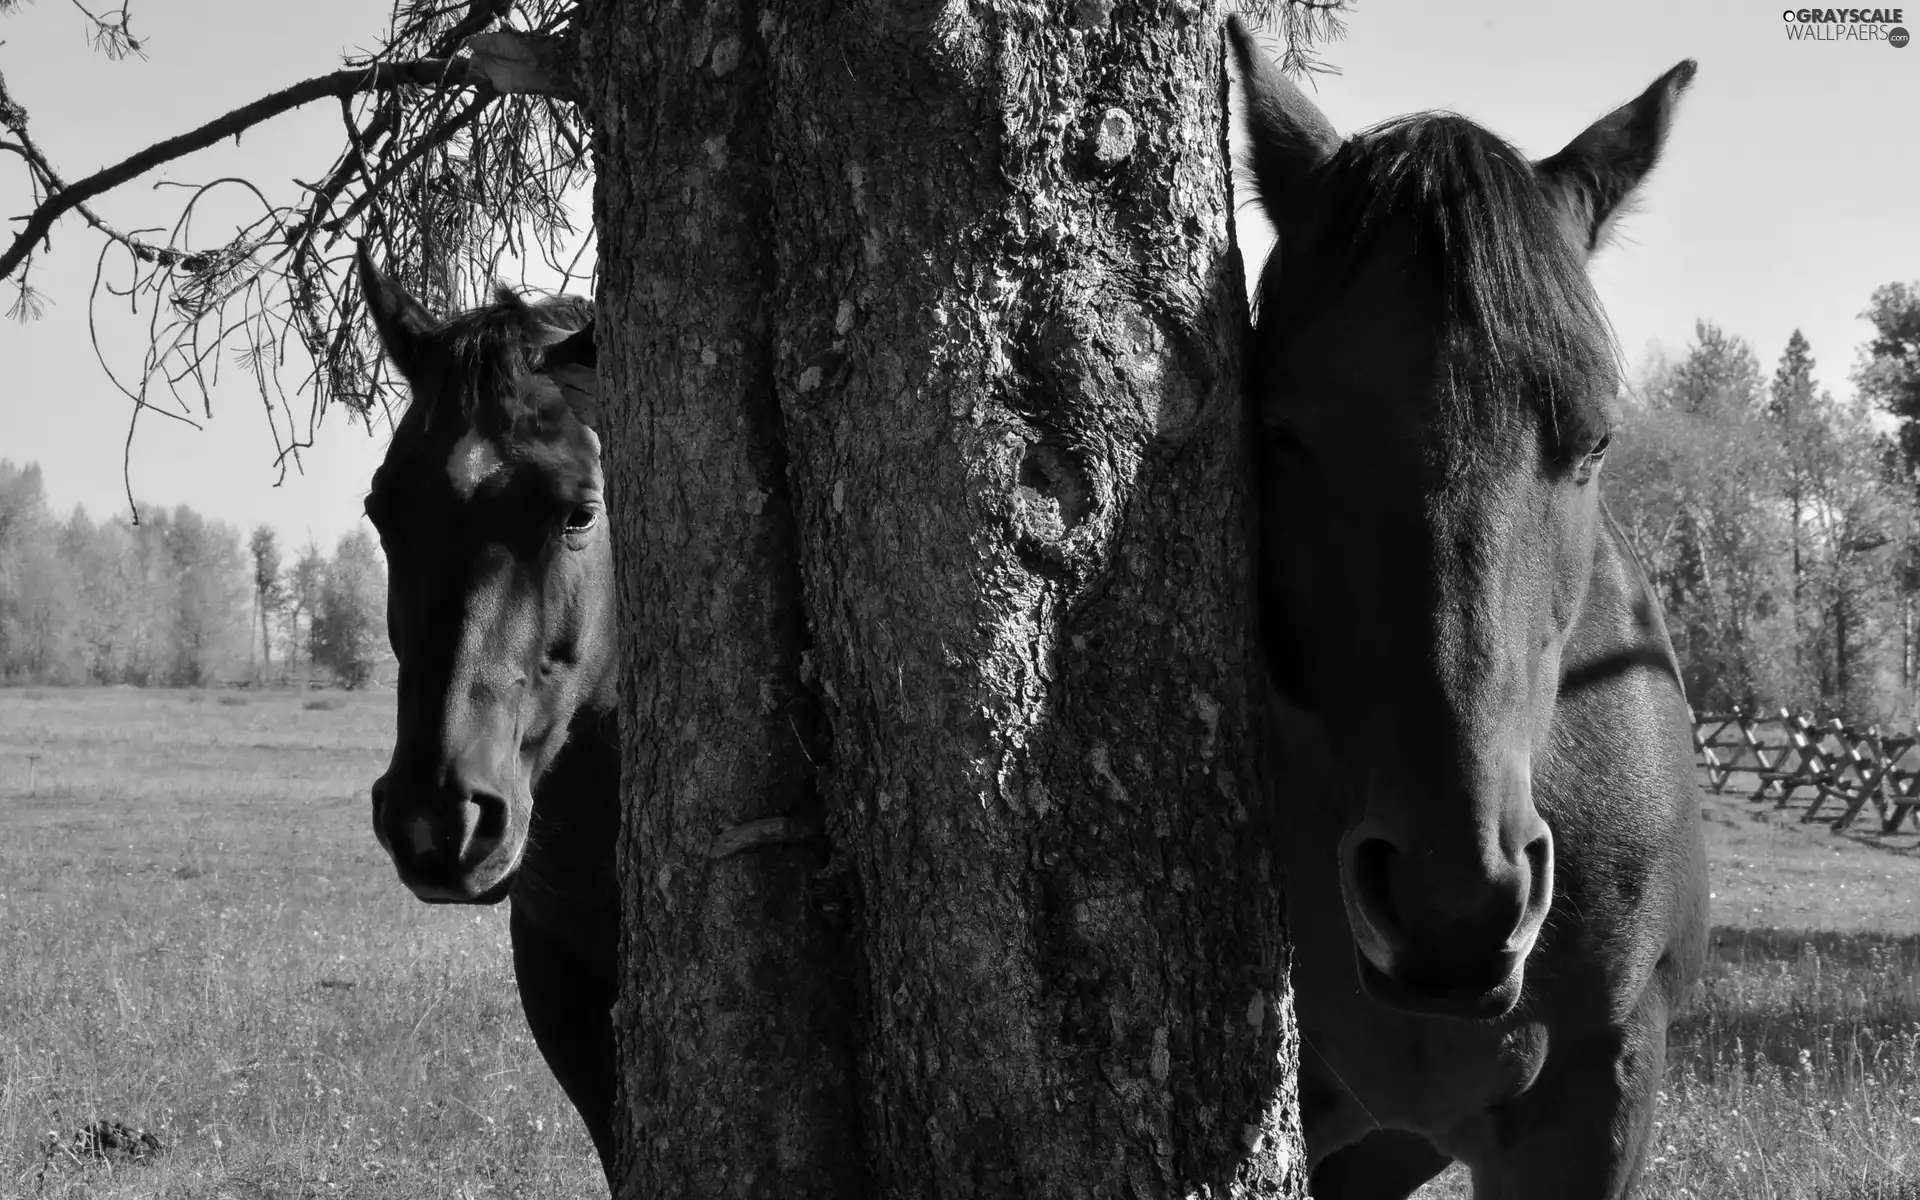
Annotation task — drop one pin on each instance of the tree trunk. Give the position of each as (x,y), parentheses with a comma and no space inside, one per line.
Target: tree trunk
(920,334)
(266,641)
(1799,576)
(734,1039)
(1906,641)
(1841,651)
(1906,661)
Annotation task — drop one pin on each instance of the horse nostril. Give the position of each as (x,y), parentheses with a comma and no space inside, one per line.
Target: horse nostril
(1539,873)
(489,826)
(1373,886)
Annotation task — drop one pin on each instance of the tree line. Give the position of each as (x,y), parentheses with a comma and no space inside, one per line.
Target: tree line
(1780,525)
(179,600)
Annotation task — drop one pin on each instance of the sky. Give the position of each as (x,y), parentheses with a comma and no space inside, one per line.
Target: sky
(1785,197)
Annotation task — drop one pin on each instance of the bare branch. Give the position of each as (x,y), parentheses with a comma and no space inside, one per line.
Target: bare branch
(51,184)
(111,34)
(442,73)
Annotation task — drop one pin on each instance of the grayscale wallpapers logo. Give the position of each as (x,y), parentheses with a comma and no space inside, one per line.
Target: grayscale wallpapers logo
(1846,25)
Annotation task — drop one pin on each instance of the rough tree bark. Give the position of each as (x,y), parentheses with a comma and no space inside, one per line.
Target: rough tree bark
(946,856)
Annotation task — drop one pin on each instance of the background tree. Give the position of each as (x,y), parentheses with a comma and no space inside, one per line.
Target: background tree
(37,582)
(269,593)
(1887,377)
(208,573)
(1888,373)
(304,583)
(349,628)
(44,632)
(114,582)
(100,617)
(1850,505)
(22,574)
(1783,545)
(167,602)
(1693,491)
(1789,406)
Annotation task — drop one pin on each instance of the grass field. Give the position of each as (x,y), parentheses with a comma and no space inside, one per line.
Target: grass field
(199,937)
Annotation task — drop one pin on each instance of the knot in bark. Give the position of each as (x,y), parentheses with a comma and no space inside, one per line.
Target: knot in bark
(1113,137)
(1092,14)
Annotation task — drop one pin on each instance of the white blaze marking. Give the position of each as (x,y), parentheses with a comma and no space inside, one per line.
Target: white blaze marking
(472,460)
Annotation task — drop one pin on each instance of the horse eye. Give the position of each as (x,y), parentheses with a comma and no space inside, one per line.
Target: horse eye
(582,518)
(1583,471)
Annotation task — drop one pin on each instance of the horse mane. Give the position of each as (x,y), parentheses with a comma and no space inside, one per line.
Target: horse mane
(1519,311)
(490,349)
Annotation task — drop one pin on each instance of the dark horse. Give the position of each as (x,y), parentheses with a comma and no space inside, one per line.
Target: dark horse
(506,759)
(1496,877)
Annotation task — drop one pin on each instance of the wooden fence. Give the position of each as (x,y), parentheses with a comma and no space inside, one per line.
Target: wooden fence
(1835,771)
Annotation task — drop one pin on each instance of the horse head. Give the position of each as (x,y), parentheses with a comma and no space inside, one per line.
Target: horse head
(1435,383)
(489,506)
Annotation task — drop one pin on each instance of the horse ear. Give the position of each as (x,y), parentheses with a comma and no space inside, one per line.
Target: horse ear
(576,350)
(402,322)
(1290,137)
(581,388)
(1598,171)
(573,364)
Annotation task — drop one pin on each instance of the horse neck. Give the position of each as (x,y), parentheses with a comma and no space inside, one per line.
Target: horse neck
(593,739)
(576,801)
(567,890)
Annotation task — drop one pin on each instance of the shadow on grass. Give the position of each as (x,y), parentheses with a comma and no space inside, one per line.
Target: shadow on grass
(1727,808)
(1903,844)
(1804,1003)
(1741,944)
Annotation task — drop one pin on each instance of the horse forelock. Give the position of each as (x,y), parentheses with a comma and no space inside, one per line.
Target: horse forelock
(1519,314)
(486,356)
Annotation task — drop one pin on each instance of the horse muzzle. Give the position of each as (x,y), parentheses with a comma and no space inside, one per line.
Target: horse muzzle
(461,844)
(1445,935)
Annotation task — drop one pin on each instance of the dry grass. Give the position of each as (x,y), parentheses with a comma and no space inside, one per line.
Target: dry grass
(199,936)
